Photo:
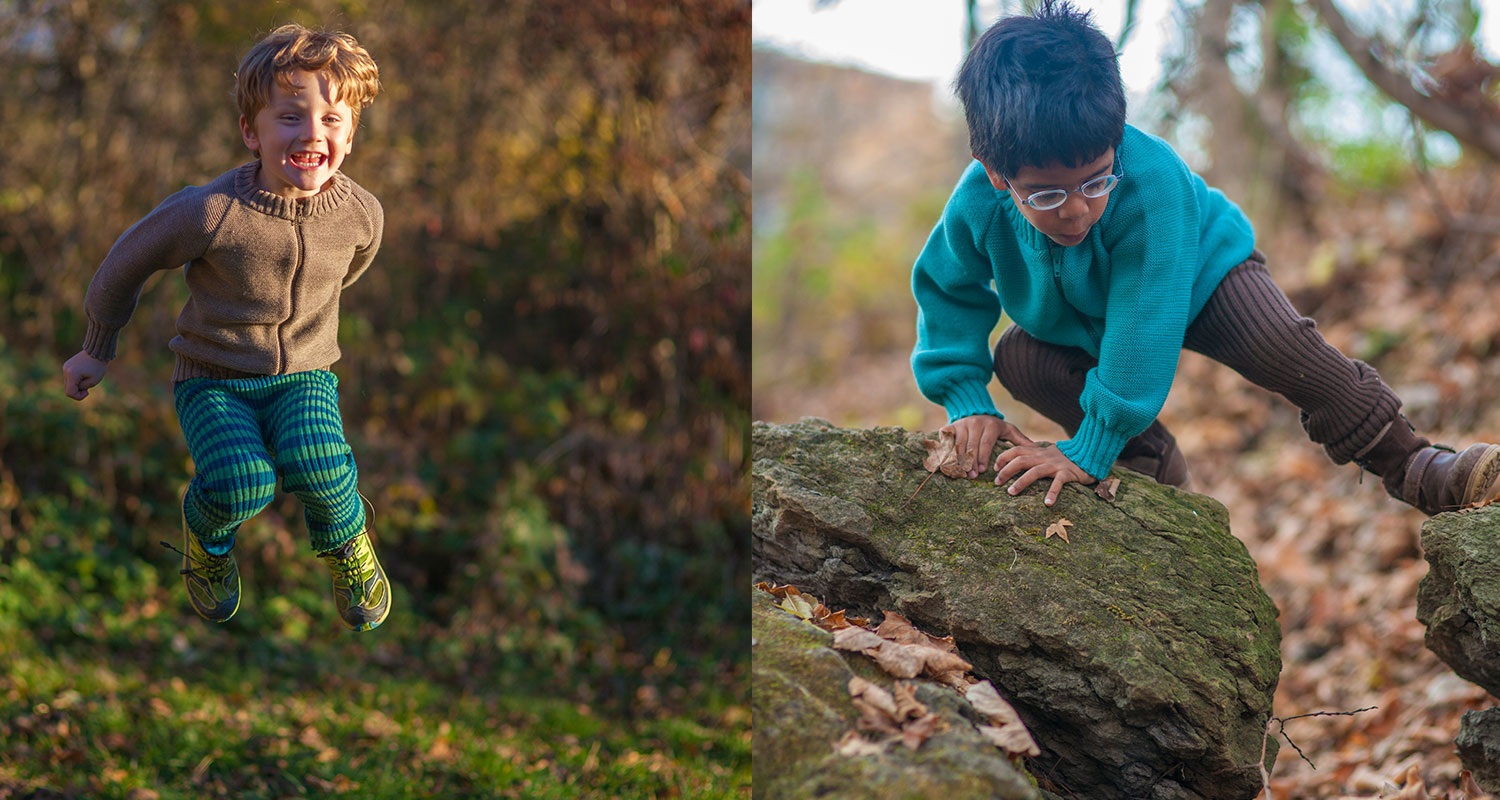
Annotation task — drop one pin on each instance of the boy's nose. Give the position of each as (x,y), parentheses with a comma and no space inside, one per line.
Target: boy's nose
(1074,206)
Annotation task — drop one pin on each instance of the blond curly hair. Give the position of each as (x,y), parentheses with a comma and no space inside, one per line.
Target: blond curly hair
(292,47)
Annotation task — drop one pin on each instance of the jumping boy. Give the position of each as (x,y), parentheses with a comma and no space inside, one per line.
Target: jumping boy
(1110,255)
(268,248)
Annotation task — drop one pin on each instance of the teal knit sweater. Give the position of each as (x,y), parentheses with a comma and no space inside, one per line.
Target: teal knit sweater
(1125,294)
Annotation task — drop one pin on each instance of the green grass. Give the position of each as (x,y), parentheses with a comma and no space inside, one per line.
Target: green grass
(103,695)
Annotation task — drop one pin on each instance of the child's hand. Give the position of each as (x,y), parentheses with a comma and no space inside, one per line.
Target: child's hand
(1034,463)
(81,373)
(976,434)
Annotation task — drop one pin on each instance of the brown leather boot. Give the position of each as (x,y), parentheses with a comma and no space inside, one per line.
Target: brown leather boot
(1155,453)
(1431,477)
(1442,480)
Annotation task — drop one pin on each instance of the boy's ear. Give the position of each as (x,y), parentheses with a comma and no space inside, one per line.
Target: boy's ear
(995,179)
(247,132)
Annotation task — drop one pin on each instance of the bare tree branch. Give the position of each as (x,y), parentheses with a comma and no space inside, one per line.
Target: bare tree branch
(1478,133)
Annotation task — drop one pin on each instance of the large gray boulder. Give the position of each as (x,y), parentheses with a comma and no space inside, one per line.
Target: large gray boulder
(801,707)
(1142,653)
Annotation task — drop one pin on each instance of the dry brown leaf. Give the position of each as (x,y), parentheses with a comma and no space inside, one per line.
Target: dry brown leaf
(987,701)
(1009,732)
(872,718)
(832,621)
(855,638)
(1106,489)
(900,660)
(907,705)
(957,679)
(943,456)
(914,733)
(859,688)
(853,745)
(937,662)
(1412,785)
(944,643)
(1469,788)
(1011,738)
(798,605)
(899,629)
(1058,529)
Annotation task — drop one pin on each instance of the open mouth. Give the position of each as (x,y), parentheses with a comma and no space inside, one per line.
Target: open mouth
(308,160)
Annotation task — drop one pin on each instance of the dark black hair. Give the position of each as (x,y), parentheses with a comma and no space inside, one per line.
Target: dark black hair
(1042,89)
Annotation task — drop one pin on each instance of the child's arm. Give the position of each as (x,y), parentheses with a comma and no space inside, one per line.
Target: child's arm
(364,255)
(174,233)
(957,308)
(81,373)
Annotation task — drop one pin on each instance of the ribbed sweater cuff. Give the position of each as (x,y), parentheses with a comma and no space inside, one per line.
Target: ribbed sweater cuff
(1094,448)
(968,399)
(99,341)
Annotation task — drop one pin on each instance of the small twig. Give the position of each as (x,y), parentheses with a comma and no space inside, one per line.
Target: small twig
(1265,775)
(919,488)
(1283,721)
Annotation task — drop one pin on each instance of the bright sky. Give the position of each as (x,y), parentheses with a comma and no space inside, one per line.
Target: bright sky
(924,40)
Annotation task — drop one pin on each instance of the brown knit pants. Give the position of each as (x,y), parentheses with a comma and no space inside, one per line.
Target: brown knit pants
(1247,324)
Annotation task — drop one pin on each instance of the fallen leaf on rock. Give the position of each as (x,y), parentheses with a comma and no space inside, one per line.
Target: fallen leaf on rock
(1106,489)
(907,705)
(1009,732)
(987,701)
(943,456)
(862,689)
(875,719)
(936,662)
(899,629)
(914,733)
(798,604)
(1058,529)
(900,660)
(855,638)
(853,745)
(1011,738)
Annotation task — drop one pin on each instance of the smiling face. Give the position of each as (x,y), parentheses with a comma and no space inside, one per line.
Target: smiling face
(1069,223)
(302,135)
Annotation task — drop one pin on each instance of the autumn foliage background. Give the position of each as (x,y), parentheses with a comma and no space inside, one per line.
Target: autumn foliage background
(544,381)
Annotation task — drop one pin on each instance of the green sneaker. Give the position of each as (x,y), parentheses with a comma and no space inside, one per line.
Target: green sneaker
(213,582)
(360,590)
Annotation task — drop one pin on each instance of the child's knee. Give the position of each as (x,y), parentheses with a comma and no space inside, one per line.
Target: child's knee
(330,482)
(236,495)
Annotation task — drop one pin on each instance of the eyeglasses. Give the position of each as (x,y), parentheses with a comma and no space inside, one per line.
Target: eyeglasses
(1048,199)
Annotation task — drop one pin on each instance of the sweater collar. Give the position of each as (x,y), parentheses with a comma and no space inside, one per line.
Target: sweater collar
(275,205)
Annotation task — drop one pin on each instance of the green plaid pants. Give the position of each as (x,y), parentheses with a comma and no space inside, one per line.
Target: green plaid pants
(244,433)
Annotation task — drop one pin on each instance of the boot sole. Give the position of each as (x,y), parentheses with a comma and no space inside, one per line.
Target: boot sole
(1484,480)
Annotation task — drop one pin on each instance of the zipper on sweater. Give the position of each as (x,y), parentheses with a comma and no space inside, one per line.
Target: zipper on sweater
(1055,254)
(292,289)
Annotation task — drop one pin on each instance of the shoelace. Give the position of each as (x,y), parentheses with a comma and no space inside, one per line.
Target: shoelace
(352,568)
(206,567)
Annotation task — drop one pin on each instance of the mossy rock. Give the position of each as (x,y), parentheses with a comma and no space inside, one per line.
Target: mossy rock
(801,705)
(1142,653)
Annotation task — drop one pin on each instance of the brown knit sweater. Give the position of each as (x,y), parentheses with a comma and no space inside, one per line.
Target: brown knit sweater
(264,274)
